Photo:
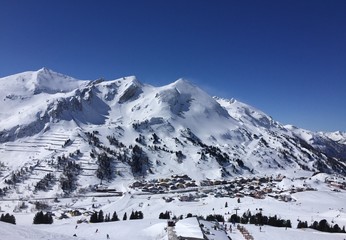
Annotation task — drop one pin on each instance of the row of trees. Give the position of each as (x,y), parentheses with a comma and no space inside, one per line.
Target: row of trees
(20,175)
(97,217)
(8,218)
(322,226)
(69,175)
(259,219)
(140,160)
(136,215)
(104,170)
(45,182)
(3,191)
(100,217)
(164,215)
(43,218)
(115,142)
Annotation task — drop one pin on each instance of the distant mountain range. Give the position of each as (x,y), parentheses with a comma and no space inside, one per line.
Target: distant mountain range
(142,131)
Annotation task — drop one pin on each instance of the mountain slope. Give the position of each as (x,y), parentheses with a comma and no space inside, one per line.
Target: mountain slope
(90,131)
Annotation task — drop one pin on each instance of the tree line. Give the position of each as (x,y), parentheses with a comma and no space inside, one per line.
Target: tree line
(98,217)
(322,226)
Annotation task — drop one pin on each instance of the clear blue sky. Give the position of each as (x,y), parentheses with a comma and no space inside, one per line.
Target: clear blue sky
(287,58)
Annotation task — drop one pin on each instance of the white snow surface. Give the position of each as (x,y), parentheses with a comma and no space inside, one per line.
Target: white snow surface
(41,110)
(189,228)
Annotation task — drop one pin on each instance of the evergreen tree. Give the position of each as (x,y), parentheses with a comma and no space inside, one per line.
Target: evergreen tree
(314,225)
(323,226)
(164,215)
(38,217)
(115,217)
(216,217)
(140,215)
(336,228)
(132,216)
(302,224)
(47,218)
(107,218)
(104,170)
(125,217)
(100,217)
(93,218)
(235,219)
(139,160)
(41,218)
(8,218)
(161,216)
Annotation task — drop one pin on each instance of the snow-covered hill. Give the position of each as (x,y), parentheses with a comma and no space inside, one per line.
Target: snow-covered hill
(146,131)
(121,145)
(175,128)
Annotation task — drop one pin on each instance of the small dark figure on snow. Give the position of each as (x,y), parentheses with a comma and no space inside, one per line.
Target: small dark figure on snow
(75,235)
(107,236)
(96,230)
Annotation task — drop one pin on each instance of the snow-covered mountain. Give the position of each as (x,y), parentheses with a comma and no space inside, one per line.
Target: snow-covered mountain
(142,130)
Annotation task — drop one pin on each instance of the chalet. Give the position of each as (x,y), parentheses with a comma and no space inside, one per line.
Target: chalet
(285,198)
(75,213)
(164,184)
(179,185)
(187,198)
(137,184)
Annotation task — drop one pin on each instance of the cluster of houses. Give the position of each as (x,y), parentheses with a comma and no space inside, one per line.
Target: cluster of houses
(164,185)
(336,182)
(256,187)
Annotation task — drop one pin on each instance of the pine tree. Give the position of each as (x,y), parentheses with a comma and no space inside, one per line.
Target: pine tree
(38,219)
(323,226)
(8,218)
(48,219)
(125,217)
(107,218)
(100,217)
(41,218)
(115,217)
(93,218)
(161,216)
(139,215)
(132,216)
(336,228)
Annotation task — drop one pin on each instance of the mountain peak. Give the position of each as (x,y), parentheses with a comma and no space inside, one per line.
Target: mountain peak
(49,81)
(45,70)
(178,126)
(182,83)
(131,80)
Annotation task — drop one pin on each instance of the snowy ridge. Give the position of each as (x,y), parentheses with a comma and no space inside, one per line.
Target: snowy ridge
(121,145)
(182,116)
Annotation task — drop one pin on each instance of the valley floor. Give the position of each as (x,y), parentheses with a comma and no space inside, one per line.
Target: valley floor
(307,206)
